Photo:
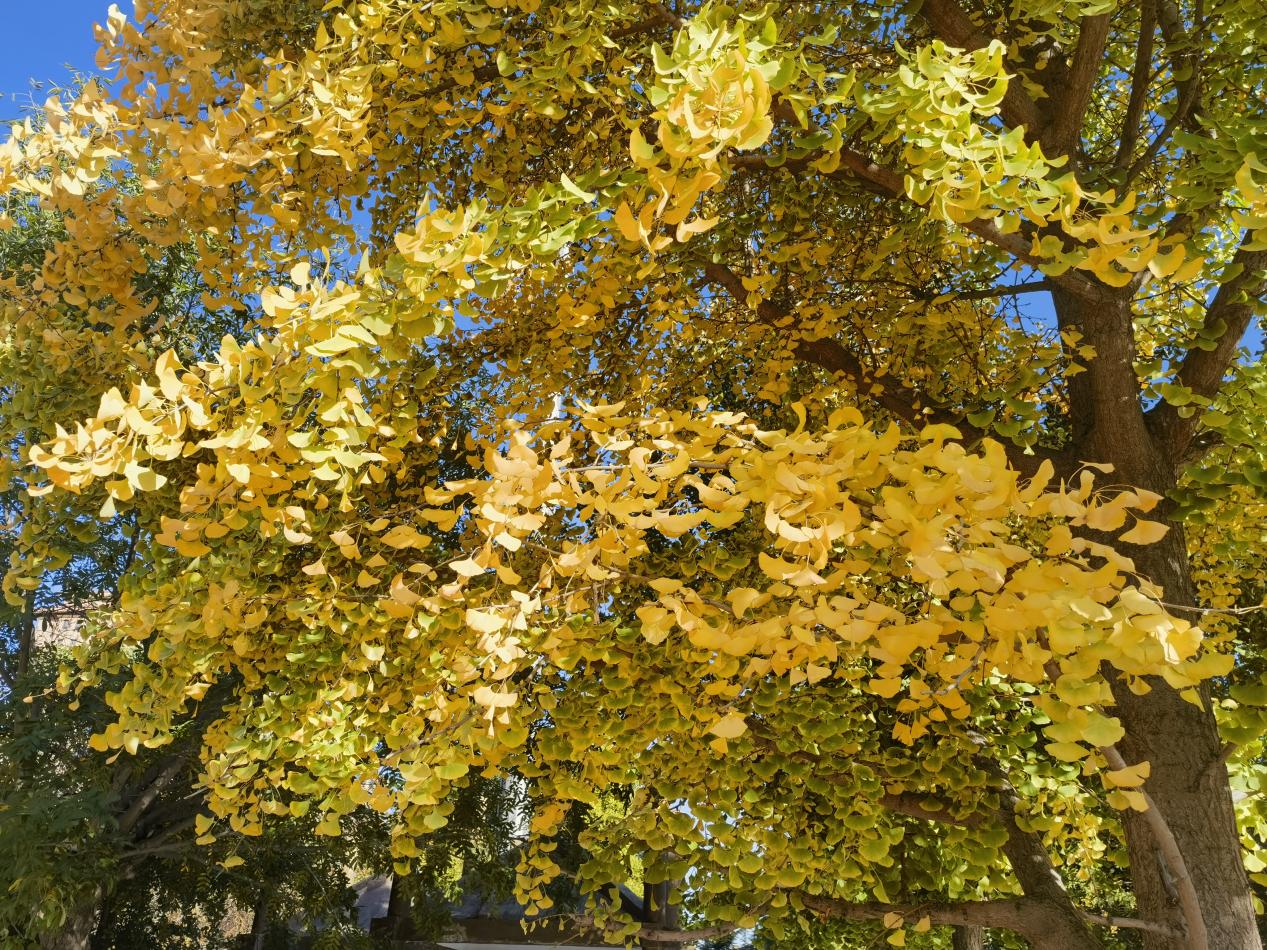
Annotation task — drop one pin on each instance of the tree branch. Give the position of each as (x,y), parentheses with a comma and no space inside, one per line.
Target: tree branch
(1184,59)
(894,396)
(1028,855)
(1019,915)
(990,293)
(661,16)
(1185,63)
(653,935)
(902,401)
(1202,371)
(913,805)
(161,842)
(887,182)
(1127,923)
(146,797)
(26,635)
(1062,134)
(1045,897)
(1140,75)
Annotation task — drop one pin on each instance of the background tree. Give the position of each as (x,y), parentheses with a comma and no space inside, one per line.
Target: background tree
(94,849)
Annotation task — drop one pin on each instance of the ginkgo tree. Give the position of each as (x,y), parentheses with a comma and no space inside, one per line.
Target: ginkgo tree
(829,421)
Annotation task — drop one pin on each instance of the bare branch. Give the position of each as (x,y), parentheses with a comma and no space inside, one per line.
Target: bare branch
(162,841)
(146,796)
(1127,923)
(1002,290)
(1019,915)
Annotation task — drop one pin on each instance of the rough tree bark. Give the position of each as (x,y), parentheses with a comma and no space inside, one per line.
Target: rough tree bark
(399,920)
(1060,925)
(1189,785)
(76,932)
(968,938)
(1188,782)
(659,912)
(259,921)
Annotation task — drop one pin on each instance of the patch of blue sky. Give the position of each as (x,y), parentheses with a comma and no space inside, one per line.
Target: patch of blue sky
(47,44)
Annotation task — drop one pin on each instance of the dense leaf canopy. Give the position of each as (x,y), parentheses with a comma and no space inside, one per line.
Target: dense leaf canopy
(640,397)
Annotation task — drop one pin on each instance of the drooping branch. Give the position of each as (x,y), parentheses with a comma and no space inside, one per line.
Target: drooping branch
(1202,371)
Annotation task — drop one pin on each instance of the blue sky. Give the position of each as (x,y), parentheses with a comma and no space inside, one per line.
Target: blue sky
(40,38)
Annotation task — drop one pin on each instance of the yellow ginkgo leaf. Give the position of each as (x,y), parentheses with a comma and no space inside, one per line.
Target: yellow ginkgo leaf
(730,726)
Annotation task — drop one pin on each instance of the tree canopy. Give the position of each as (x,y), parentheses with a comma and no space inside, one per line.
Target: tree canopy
(827,421)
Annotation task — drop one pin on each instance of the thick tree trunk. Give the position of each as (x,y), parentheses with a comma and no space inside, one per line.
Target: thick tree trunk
(259,922)
(968,938)
(1189,785)
(1188,781)
(660,913)
(399,921)
(76,933)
